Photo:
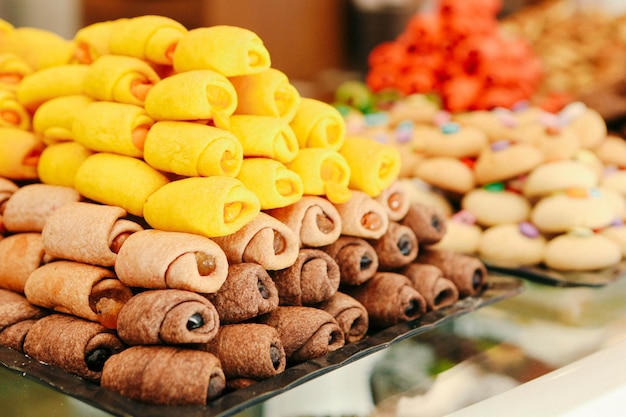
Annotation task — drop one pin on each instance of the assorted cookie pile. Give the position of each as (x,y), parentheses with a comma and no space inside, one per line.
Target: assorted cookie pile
(176,221)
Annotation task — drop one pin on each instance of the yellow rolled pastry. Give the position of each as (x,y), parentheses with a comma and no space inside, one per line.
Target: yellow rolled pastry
(208,206)
(118,180)
(192,149)
(266,93)
(374,166)
(109,126)
(230,50)
(12,112)
(42,85)
(39,48)
(149,37)
(318,125)
(324,172)
(59,162)
(12,70)
(271,181)
(92,41)
(124,79)
(265,136)
(53,120)
(19,153)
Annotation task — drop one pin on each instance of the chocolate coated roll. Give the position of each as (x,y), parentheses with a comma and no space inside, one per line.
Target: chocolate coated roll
(75,345)
(468,273)
(357,259)
(164,375)
(313,278)
(17,316)
(247,292)
(167,317)
(350,314)
(397,247)
(363,216)
(305,332)
(20,254)
(389,299)
(427,222)
(429,281)
(248,350)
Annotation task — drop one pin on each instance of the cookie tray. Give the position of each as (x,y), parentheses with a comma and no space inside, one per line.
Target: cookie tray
(500,287)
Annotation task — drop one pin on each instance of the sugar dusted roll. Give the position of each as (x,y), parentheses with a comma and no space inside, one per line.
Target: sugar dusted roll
(17,315)
(108,126)
(73,344)
(200,95)
(396,200)
(87,232)
(92,41)
(20,254)
(468,273)
(7,188)
(158,259)
(192,149)
(357,259)
(248,350)
(313,278)
(19,153)
(54,119)
(265,136)
(45,84)
(350,314)
(429,281)
(266,93)
(164,375)
(13,69)
(29,207)
(118,180)
(428,222)
(59,163)
(230,50)
(149,37)
(314,219)
(277,187)
(169,317)
(88,291)
(264,240)
(12,112)
(362,216)
(305,332)
(122,79)
(318,124)
(389,299)
(397,247)
(209,206)
(248,292)
(374,166)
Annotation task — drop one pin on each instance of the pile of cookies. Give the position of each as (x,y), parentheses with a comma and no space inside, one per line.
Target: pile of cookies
(176,221)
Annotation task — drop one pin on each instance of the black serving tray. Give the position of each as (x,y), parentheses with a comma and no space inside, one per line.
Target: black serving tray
(499,287)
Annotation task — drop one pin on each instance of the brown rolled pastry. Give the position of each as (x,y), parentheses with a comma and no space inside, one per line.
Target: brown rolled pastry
(168,317)
(389,299)
(357,259)
(88,291)
(233,384)
(363,216)
(350,314)
(17,315)
(248,292)
(80,347)
(28,208)
(429,281)
(396,200)
(20,254)
(164,375)
(7,188)
(158,259)
(264,240)
(87,232)
(428,223)
(313,218)
(313,278)
(467,272)
(248,351)
(305,332)
(396,248)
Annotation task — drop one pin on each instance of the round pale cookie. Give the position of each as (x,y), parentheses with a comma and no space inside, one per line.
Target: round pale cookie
(450,140)
(612,151)
(462,234)
(588,124)
(497,125)
(558,213)
(494,205)
(555,144)
(558,176)
(618,201)
(418,108)
(614,179)
(581,250)
(504,160)
(423,193)
(449,174)
(512,245)
(617,233)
